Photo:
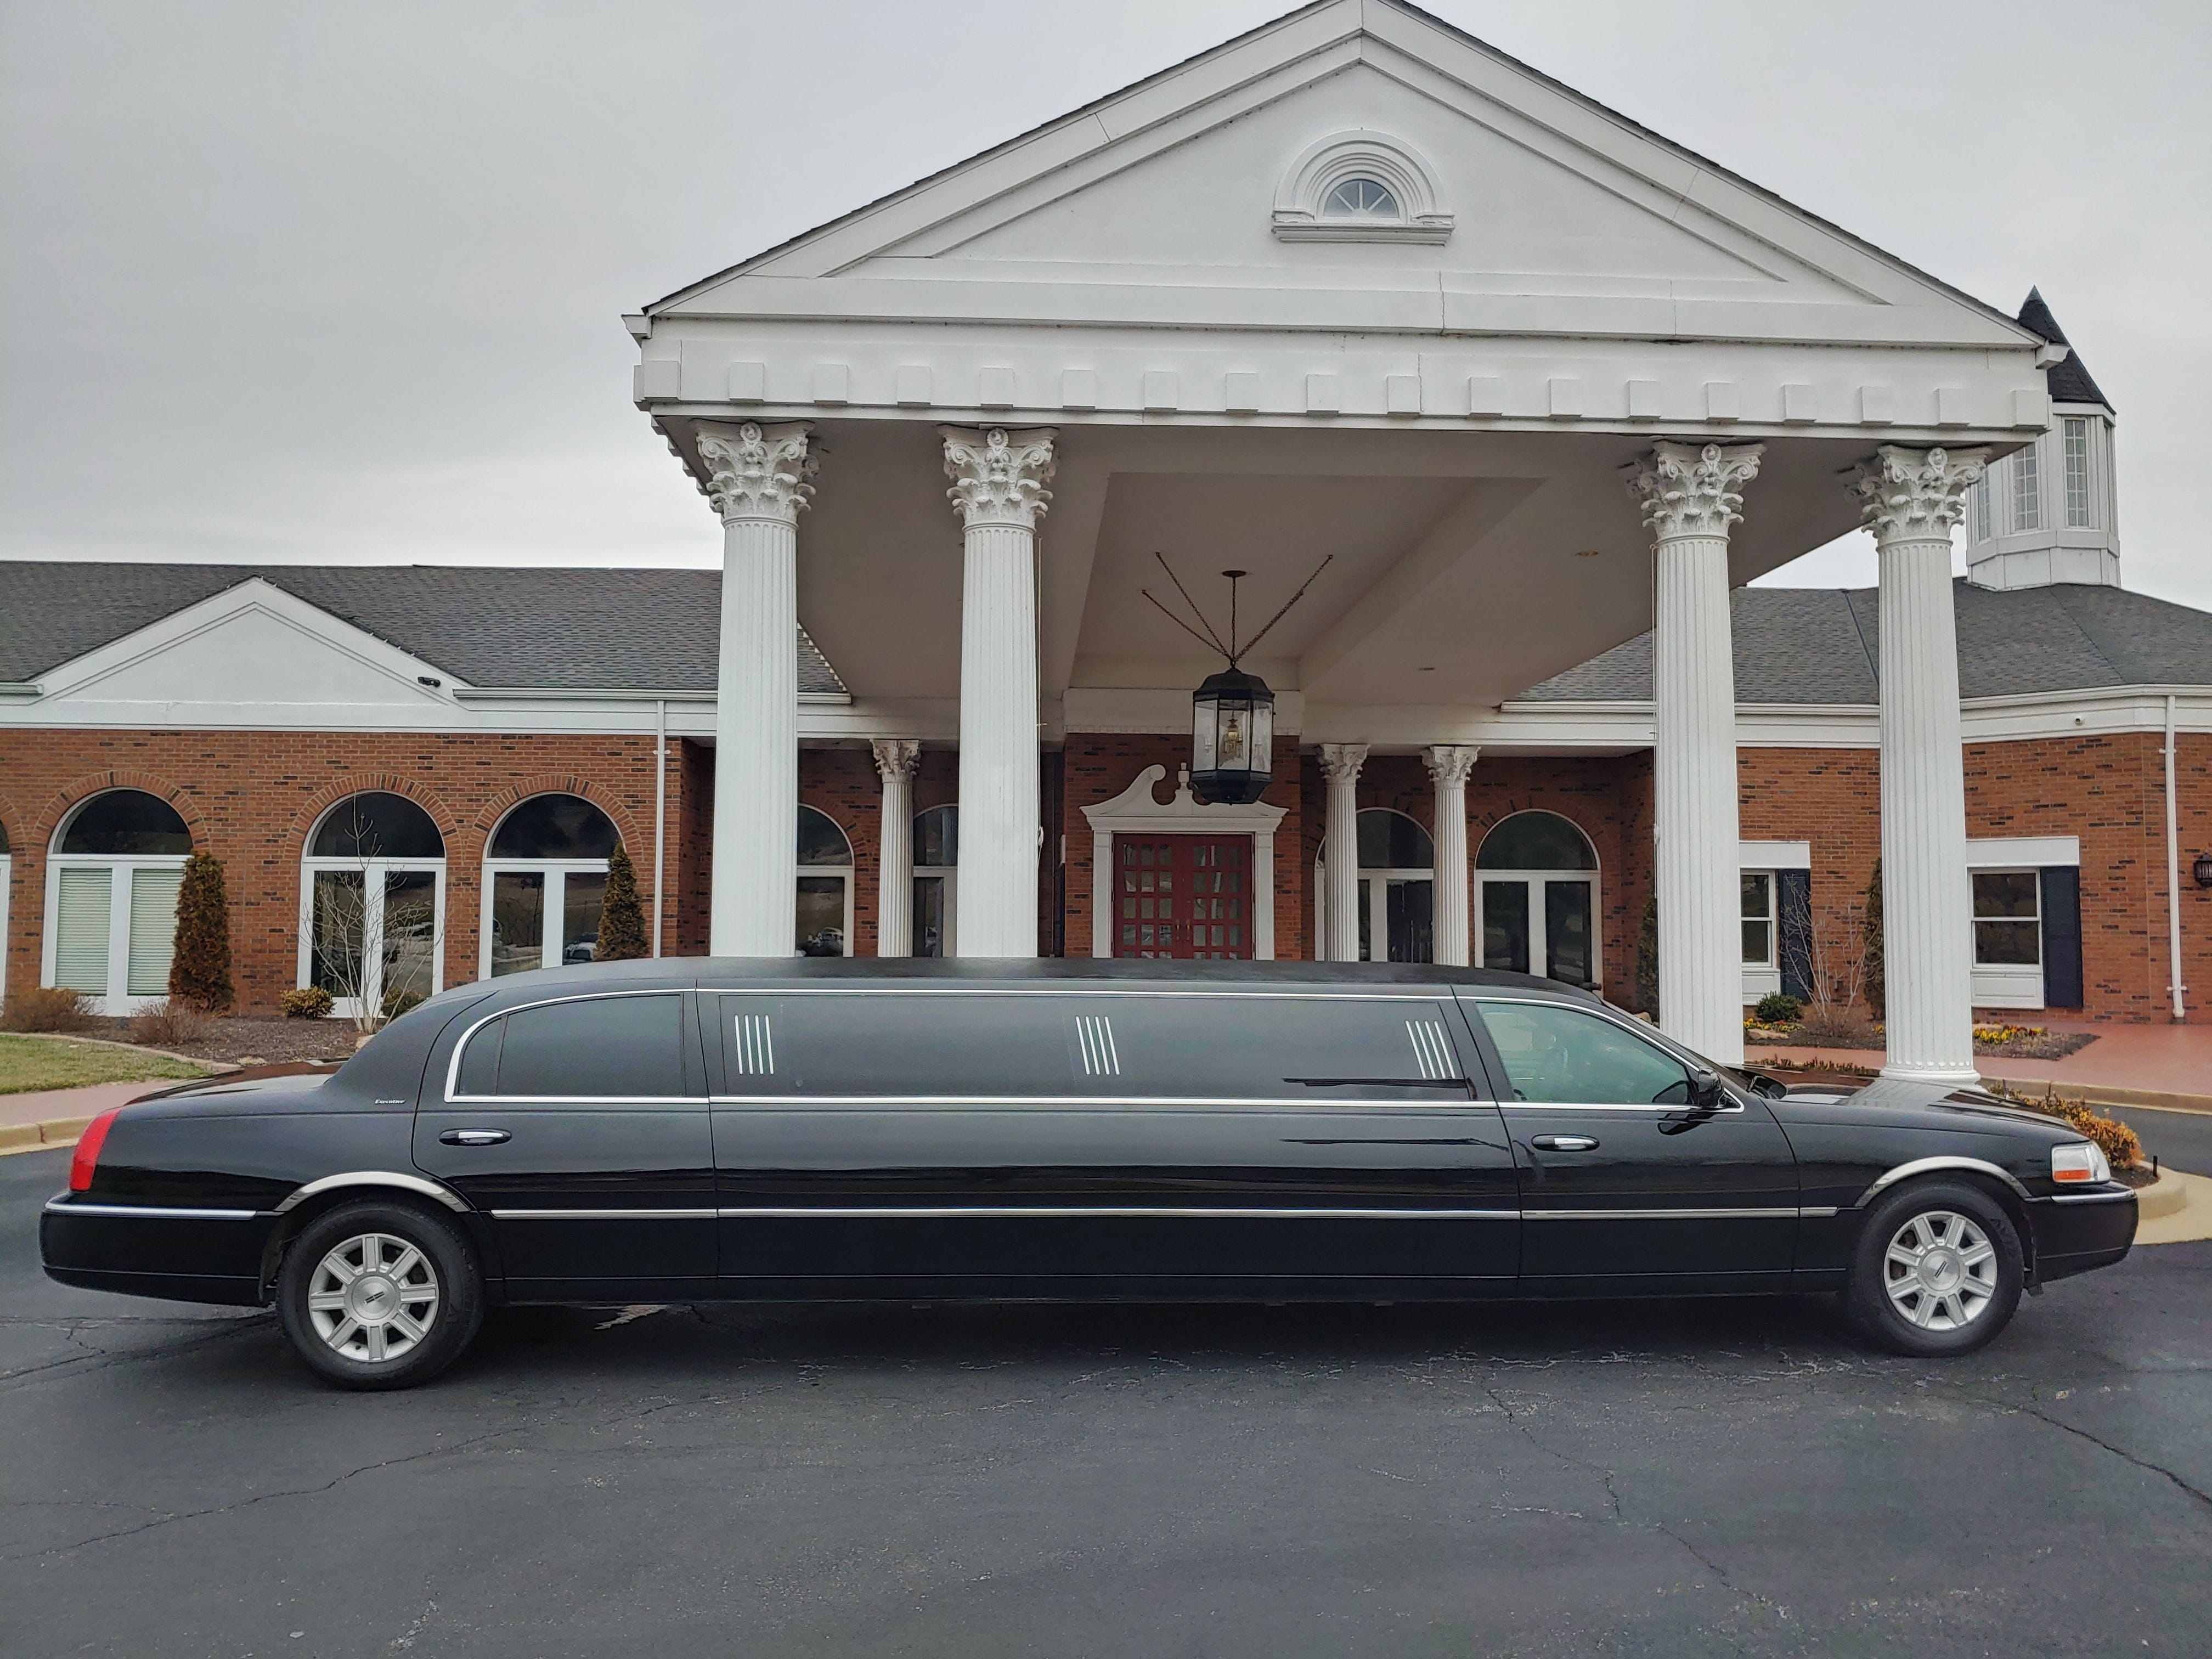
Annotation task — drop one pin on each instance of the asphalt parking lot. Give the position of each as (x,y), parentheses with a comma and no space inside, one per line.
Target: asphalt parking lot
(1606,1479)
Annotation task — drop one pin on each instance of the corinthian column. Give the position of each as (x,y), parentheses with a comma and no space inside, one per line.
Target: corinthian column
(1911,498)
(1449,766)
(896,761)
(1690,497)
(1340,764)
(757,477)
(998,480)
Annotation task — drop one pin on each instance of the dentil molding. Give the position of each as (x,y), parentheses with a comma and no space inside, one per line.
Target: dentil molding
(999,477)
(1915,494)
(757,472)
(1688,491)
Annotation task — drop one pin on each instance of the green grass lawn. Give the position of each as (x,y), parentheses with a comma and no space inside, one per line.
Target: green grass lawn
(41,1062)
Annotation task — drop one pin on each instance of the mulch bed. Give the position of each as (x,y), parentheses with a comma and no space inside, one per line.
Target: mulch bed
(2054,1045)
(273,1041)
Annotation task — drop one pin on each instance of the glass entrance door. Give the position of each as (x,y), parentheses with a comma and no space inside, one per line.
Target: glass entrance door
(1540,924)
(1183,897)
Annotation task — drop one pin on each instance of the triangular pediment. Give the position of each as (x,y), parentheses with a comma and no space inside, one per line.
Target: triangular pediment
(1187,184)
(252,652)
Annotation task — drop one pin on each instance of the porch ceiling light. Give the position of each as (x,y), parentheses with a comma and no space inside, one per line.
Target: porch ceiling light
(1232,713)
(2202,870)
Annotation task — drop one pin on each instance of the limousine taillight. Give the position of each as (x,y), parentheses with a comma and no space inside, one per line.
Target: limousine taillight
(86,1158)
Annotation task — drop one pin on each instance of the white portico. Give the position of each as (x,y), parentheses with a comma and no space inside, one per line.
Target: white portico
(1353,286)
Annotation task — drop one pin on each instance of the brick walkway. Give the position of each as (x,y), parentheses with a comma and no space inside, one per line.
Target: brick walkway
(2158,1060)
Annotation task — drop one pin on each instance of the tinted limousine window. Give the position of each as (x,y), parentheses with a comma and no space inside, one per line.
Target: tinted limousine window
(1025,1045)
(594,1047)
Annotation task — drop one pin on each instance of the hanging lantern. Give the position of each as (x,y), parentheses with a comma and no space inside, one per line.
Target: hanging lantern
(2202,870)
(1232,732)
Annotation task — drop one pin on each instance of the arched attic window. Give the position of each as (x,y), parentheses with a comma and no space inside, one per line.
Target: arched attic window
(1360,186)
(112,898)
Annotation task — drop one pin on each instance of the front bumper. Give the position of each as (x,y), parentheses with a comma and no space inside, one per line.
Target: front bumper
(2077,1231)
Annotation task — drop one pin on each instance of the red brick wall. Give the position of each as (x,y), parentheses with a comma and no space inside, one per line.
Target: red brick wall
(251,799)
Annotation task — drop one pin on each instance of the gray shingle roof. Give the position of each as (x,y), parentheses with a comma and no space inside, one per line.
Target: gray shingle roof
(2068,382)
(579,631)
(1813,646)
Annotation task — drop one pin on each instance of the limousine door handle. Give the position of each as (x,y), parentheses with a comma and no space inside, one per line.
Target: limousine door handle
(1564,1143)
(473,1137)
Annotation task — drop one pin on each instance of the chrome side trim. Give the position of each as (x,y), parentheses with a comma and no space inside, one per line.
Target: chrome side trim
(411,1184)
(1929,1166)
(1784,1212)
(149,1211)
(1055,988)
(1816,1212)
(2092,1198)
(602,1215)
(1044,1212)
(1427,1103)
(1660,1108)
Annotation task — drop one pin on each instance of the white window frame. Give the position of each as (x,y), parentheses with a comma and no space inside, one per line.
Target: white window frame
(1302,210)
(1982,527)
(1375,890)
(7,887)
(1769,859)
(372,872)
(2026,491)
(1772,960)
(947,875)
(557,872)
(2007,984)
(843,872)
(1540,943)
(118,1002)
(2074,442)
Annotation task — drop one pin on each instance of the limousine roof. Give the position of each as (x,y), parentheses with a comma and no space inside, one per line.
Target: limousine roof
(710,972)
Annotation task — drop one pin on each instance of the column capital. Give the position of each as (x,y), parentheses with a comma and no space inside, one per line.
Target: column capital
(897,757)
(1686,490)
(1915,494)
(1449,764)
(998,477)
(757,472)
(1340,762)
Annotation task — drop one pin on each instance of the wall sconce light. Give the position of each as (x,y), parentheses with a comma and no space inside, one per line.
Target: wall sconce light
(2202,870)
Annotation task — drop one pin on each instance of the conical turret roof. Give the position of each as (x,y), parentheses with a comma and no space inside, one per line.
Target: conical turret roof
(2069,382)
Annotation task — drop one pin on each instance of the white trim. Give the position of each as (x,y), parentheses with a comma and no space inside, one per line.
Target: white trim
(557,872)
(372,872)
(1774,854)
(118,1002)
(1135,811)
(2023,852)
(1302,212)
(7,887)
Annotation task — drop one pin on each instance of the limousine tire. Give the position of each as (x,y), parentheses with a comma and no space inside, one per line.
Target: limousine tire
(376,1294)
(1937,1271)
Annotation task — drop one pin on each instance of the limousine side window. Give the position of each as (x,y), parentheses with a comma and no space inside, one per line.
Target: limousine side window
(877,1044)
(1222,1047)
(595,1048)
(1561,1055)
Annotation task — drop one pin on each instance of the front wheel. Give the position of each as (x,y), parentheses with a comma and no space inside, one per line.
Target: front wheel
(1937,1271)
(379,1294)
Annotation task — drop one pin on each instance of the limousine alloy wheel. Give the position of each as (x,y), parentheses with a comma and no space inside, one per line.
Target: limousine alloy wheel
(379,1294)
(1938,1269)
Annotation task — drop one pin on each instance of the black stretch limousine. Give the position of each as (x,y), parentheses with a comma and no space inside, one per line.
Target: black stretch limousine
(680,1130)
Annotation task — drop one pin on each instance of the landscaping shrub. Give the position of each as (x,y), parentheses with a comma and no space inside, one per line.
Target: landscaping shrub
(397,1002)
(199,966)
(169,1022)
(1876,989)
(308,1002)
(622,917)
(1837,1028)
(1777,1009)
(1647,959)
(2121,1147)
(48,1008)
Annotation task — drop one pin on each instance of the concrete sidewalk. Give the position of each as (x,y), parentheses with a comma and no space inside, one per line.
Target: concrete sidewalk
(2166,1065)
(41,1118)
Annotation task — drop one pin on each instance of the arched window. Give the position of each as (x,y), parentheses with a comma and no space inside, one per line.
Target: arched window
(1536,899)
(825,885)
(6,884)
(1361,185)
(1397,887)
(545,879)
(112,898)
(1361,198)
(373,905)
(936,878)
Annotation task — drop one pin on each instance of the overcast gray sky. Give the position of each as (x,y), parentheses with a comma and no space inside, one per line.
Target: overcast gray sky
(313,283)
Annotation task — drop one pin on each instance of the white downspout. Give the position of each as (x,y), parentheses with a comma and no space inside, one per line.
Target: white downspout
(659,811)
(2172,870)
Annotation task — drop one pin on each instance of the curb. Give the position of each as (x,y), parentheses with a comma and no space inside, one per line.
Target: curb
(41,1137)
(217,1066)
(2182,1215)
(2163,1197)
(2097,1094)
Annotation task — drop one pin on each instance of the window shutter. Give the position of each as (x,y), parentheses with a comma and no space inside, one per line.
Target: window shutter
(81,931)
(2062,937)
(1793,910)
(152,930)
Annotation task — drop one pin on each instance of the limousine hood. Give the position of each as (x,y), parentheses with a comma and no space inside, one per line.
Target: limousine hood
(1896,1103)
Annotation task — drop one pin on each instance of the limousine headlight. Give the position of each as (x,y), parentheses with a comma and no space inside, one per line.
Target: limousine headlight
(2083,1161)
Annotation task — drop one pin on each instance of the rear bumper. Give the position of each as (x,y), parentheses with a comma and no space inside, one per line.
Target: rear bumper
(2076,1232)
(180,1256)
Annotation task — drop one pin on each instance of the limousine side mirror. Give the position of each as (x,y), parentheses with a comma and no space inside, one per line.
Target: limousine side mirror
(1706,1088)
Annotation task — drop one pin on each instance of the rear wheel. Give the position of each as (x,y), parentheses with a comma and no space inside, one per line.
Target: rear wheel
(379,1294)
(1938,1270)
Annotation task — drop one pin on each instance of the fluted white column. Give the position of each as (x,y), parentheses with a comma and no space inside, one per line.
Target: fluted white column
(1690,497)
(896,761)
(1912,499)
(998,480)
(1449,766)
(1340,764)
(757,477)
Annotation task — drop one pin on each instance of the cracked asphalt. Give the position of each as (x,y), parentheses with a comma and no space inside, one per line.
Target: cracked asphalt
(1603,1478)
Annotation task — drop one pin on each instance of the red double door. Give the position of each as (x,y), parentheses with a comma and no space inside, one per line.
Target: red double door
(1188,897)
